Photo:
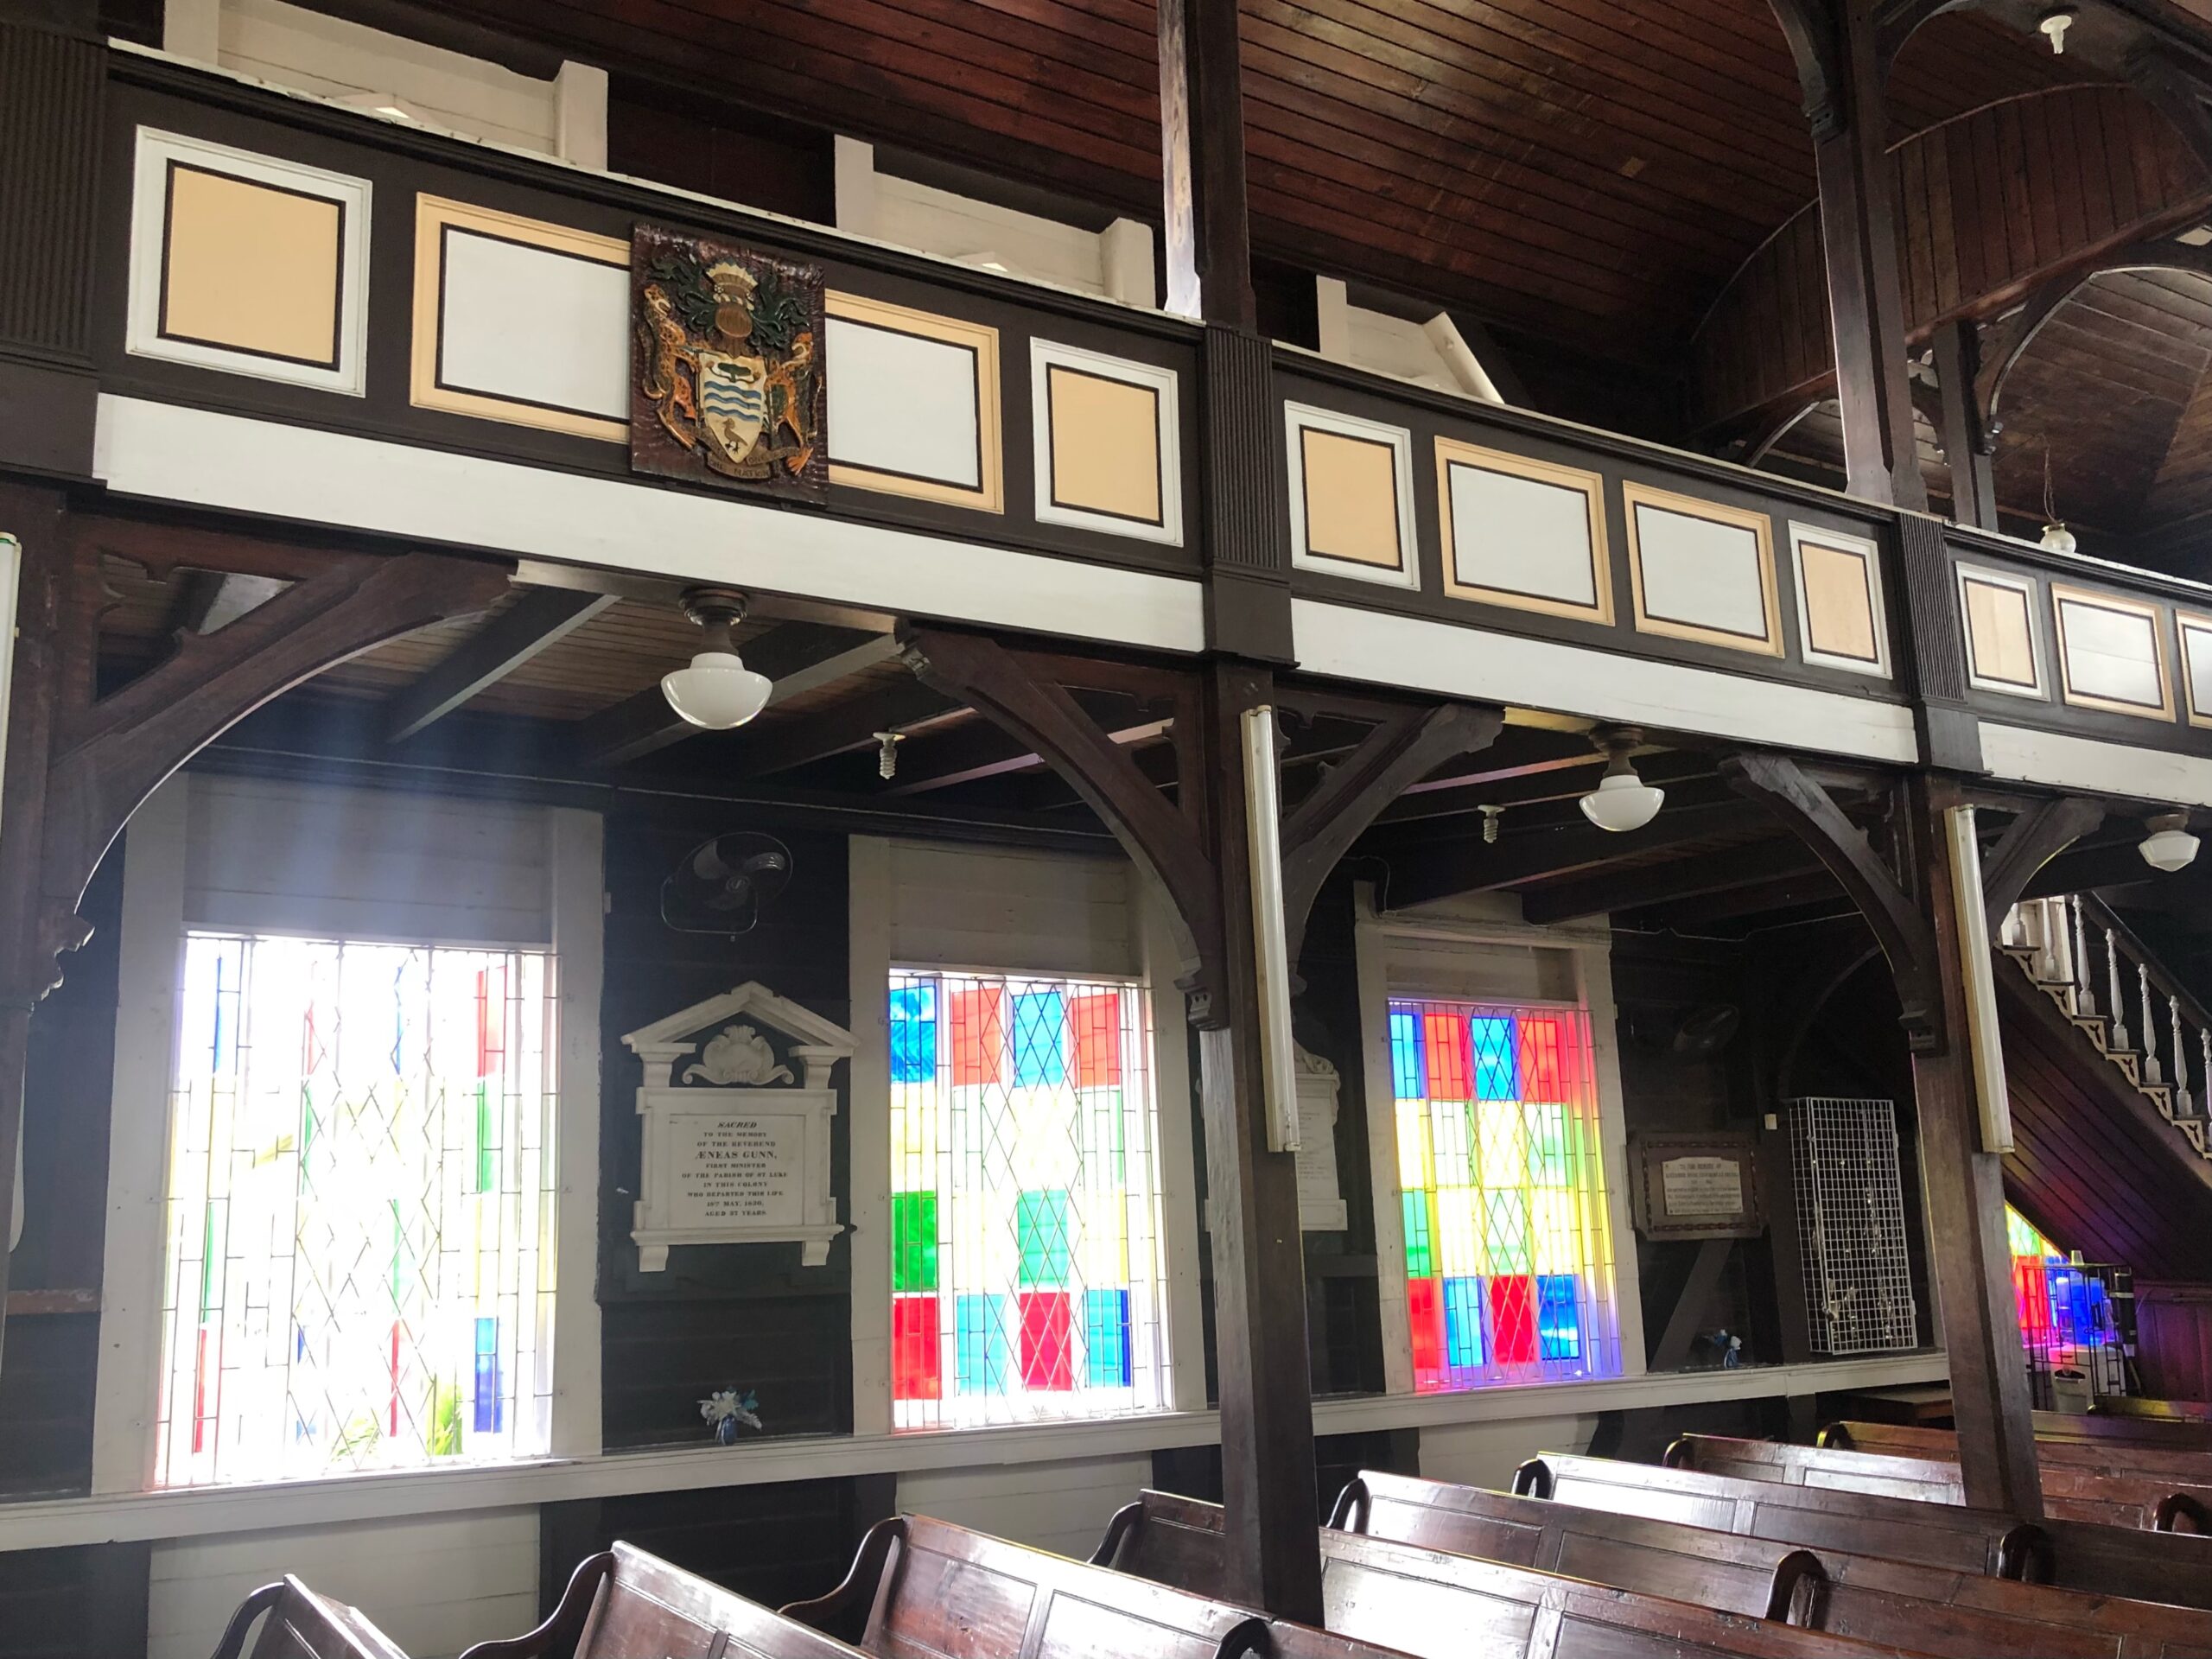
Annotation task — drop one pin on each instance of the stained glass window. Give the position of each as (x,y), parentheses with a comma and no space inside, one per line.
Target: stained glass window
(1026,1270)
(2062,1310)
(360,1214)
(1500,1182)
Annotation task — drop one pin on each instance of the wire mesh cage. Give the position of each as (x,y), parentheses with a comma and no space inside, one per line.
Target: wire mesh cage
(1850,1231)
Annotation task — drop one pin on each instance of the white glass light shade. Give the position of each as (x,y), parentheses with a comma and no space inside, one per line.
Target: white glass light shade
(2168,848)
(1622,801)
(2056,538)
(717,691)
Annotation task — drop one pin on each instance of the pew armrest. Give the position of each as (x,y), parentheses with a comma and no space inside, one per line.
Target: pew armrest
(1126,1521)
(1794,1598)
(844,1612)
(1836,1437)
(1353,1506)
(1533,1479)
(2024,1553)
(1679,1454)
(234,1633)
(559,1632)
(2175,1509)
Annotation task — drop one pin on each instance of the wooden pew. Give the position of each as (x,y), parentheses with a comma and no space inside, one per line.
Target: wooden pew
(1935,1609)
(1442,1605)
(297,1624)
(2157,1411)
(625,1603)
(924,1586)
(2069,1493)
(2143,1565)
(2183,1466)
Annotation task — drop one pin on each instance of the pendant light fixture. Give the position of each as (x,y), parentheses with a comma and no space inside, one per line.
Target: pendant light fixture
(2168,846)
(1622,800)
(2056,538)
(717,691)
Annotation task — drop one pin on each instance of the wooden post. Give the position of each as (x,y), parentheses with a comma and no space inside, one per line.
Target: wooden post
(1202,164)
(1966,1212)
(1966,434)
(1843,68)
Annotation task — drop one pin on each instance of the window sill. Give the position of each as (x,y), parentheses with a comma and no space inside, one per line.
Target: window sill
(195,1512)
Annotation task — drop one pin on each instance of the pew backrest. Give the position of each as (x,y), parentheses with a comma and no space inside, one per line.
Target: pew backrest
(625,1603)
(2180,1465)
(1935,1609)
(295,1623)
(1428,1602)
(2069,1492)
(924,1586)
(1974,1540)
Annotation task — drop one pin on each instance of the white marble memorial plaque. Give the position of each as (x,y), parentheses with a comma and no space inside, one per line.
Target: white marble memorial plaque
(1702,1186)
(738,1169)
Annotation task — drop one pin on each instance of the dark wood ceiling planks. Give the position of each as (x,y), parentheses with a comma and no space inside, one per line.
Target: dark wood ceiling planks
(1589,169)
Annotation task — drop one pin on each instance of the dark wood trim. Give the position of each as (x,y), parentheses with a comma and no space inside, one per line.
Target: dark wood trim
(2036,836)
(1966,443)
(540,616)
(1208,217)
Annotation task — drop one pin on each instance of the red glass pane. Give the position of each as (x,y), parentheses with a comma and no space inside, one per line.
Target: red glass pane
(1551,1057)
(1451,1069)
(915,1368)
(1098,1020)
(1425,1313)
(978,1034)
(2031,1289)
(1513,1320)
(1047,1355)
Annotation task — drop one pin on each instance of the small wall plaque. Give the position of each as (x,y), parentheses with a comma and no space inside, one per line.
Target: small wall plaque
(736,1140)
(1695,1186)
(1320,1195)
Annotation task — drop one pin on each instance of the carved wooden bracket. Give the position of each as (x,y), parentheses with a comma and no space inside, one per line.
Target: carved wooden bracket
(1907,938)
(2029,842)
(105,756)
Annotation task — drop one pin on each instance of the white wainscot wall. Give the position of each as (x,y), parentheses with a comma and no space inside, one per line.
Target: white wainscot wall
(434,1586)
(1062,1507)
(1486,1454)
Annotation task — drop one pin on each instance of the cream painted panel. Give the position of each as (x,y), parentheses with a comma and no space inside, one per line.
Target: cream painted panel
(1011,911)
(1479,972)
(899,404)
(1062,1507)
(1487,1453)
(1701,573)
(1520,535)
(2196,668)
(2111,653)
(530,323)
(434,1586)
(2120,769)
(978,233)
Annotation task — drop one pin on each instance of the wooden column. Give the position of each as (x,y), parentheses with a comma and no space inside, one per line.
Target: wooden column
(1967,440)
(1966,1209)
(1209,236)
(1843,67)
(1918,932)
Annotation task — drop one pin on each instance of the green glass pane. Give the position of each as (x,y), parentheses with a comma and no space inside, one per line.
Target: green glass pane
(1042,1227)
(1421,1235)
(913,1241)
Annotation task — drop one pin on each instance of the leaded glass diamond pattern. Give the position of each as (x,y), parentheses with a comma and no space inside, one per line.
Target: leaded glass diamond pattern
(1026,1272)
(1509,1258)
(359,1264)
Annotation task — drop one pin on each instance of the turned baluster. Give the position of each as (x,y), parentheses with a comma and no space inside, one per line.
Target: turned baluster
(2181,1058)
(2116,1040)
(2085,1000)
(2152,1072)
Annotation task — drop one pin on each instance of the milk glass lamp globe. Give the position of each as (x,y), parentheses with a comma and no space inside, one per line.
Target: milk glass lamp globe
(717,691)
(2168,846)
(1622,801)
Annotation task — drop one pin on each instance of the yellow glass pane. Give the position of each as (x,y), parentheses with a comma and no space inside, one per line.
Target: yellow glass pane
(1557,1228)
(1415,1171)
(1503,1143)
(1046,1149)
(1102,1251)
(1458,1225)
(1447,1136)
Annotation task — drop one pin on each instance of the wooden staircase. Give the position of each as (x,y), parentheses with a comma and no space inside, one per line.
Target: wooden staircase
(2110,987)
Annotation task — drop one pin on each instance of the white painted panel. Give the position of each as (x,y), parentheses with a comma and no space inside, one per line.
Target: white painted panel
(2119,769)
(11,576)
(906,404)
(527,322)
(979,233)
(434,1586)
(1062,1507)
(1521,535)
(1479,972)
(1392,346)
(2111,654)
(1012,911)
(1486,1453)
(1348,642)
(2196,663)
(167,452)
(364,864)
(1699,572)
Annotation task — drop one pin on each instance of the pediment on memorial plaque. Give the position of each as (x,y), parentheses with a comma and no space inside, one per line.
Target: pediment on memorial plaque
(738,1095)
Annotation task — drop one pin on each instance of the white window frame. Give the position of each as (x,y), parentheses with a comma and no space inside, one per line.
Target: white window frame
(152,943)
(870,878)
(1591,947)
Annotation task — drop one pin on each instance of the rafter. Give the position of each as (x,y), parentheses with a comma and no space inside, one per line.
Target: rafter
(542,617)
(1644,885)
(1423,873)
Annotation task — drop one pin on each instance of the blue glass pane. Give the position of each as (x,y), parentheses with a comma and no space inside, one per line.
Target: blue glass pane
(489,1414)
(1106,1337)
(1497,1057)
(1559,1319)
(983,1361)
(1040,1050)
(913,1034)
(1463,1322)
(1406,1064)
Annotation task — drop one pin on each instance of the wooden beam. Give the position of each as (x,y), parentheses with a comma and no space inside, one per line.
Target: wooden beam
(1641,887)
(1423,872)
(973,755)
(537,620)
(2031,842)
(799,657)
(1966,438)
(1208,219)
(895,706)
(1397,752)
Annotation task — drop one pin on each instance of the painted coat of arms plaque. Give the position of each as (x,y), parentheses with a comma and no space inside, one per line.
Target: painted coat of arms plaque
(726,386)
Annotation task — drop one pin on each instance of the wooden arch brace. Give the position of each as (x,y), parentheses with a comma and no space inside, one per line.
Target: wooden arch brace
(2038,834)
